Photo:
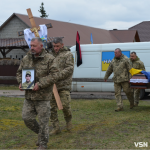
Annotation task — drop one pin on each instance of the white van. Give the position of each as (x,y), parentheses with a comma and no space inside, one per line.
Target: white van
(96,59)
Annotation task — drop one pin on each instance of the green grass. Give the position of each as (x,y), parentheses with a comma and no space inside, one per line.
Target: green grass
(95,126)
(9,87)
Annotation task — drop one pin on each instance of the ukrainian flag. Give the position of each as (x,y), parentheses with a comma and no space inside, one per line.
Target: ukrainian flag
(136,71)
(91,42)
(108,56)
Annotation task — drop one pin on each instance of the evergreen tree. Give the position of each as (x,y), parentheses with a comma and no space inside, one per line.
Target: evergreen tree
(42,11)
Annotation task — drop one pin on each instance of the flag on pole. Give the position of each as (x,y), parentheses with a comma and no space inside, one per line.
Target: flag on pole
(78,49)
(91,42)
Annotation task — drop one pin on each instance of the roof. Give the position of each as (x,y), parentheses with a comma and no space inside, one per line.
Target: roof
(126,35)
(143,29)
(69,31)
(11,43)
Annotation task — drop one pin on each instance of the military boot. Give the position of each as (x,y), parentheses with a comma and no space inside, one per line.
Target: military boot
(69,125)
(56,129)
(41,147)
(37,143)
(131,105)
(135,104)
(119,109)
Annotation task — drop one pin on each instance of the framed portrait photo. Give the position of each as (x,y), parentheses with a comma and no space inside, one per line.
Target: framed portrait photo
(28,78)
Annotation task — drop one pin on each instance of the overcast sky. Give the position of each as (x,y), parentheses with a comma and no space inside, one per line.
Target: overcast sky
(104,14)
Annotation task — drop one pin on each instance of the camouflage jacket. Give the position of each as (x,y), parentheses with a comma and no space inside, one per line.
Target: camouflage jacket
(26,85)
(65,61)
(137,64)
(46,74)
(120,67)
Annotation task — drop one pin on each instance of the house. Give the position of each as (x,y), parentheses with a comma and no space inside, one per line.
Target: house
(18,22)
(143,29)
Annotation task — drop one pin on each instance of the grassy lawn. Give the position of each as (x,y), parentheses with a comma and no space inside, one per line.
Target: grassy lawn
(95,126)
(11,87)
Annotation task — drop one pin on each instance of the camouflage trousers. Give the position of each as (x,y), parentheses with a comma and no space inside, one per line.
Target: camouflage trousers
(136,95)
(29,112)
(65,99)
(126,88)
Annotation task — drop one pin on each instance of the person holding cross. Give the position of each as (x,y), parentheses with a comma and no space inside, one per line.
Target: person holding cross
(65,61)
(37,100)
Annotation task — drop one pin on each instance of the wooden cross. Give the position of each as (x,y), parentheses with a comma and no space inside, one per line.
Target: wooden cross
(35,29)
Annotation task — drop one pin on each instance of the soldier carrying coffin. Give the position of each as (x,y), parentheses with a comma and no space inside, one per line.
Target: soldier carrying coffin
(136,63)
(120,67)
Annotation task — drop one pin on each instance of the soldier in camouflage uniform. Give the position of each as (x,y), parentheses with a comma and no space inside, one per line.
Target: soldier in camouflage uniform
(120,67)
(28,84)
(37,100)
(136,63)
(65,61)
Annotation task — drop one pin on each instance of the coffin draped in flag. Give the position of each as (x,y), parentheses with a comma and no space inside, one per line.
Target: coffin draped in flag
(140,79)
(136,71)
(78,49)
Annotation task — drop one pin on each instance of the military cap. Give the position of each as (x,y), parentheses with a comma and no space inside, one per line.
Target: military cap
(28,72)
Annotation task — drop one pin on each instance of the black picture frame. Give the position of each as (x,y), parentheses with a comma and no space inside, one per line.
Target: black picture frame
(28,78)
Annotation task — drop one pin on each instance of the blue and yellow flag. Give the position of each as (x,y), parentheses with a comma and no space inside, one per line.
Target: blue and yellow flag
(134,71)
(91,42)
(108,56)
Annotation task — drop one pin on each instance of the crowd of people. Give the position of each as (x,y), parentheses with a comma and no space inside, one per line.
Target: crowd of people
(56,67)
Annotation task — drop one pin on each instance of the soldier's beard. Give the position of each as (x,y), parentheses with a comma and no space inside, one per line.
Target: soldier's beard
(33,52)
(132,59)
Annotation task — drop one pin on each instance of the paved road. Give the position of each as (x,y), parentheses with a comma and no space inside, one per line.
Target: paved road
(74,95)
(12,93)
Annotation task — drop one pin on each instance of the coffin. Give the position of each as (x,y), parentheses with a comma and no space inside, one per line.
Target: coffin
(139,81)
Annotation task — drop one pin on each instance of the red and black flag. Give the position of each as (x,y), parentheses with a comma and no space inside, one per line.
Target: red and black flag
(78,49)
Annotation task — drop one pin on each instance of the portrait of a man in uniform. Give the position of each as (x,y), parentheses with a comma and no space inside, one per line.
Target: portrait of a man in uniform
(28,84)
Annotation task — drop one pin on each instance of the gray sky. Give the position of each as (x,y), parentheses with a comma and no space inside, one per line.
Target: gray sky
(104,14)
